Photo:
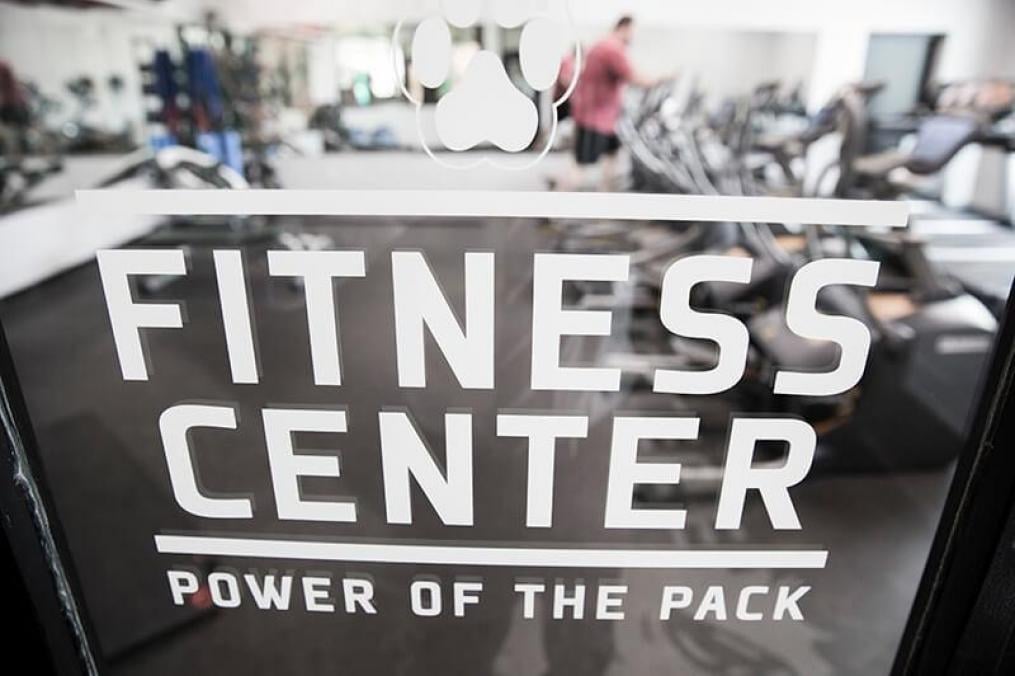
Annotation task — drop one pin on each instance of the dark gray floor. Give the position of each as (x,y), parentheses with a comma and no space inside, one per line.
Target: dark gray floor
(103,459)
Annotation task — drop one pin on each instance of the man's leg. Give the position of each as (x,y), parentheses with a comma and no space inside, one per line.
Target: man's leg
(608,177)
(574,177)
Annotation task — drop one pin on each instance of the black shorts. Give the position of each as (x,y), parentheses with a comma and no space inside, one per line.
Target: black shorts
(590,145)
(563,110)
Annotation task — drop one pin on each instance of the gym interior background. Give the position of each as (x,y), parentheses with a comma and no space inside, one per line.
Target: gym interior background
(907,100)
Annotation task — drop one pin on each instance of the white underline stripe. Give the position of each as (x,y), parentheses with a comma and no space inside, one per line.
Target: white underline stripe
(971,254)
(495,204)
(488,556)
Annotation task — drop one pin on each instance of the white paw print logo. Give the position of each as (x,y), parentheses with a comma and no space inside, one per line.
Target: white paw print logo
(484,106)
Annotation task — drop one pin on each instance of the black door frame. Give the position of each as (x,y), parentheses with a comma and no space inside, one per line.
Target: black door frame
(964,612)
(46,621)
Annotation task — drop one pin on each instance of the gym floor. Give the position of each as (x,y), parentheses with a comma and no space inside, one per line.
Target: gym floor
(102,457)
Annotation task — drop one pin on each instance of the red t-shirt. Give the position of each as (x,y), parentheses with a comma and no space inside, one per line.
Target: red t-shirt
(598,98)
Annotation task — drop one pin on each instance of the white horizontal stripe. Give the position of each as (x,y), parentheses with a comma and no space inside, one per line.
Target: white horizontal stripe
(496,204)
(934,226)
(487,556)
(971,254)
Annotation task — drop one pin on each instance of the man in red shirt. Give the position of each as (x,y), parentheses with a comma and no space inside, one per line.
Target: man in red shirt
(597,102)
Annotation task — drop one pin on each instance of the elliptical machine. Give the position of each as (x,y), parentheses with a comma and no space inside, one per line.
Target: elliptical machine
(930,338)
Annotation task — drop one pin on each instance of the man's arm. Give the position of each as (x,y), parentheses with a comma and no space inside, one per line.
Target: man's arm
(624,70)
(643,81)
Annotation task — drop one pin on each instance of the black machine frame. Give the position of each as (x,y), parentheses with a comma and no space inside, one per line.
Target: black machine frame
(962,620)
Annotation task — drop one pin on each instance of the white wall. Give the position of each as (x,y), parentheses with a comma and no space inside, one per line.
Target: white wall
(724,62)
(729,44)
(975,29)
(50,46)
(979,42)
